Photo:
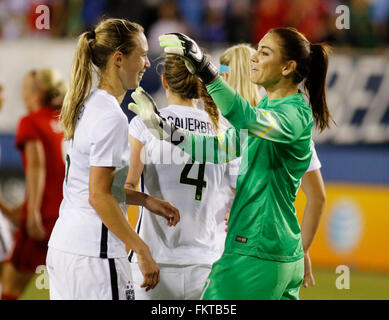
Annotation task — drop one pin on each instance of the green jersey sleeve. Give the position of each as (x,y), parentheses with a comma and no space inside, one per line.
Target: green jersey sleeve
(282,125)
(223,148)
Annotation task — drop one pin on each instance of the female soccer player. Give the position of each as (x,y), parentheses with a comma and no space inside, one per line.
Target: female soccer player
(87,256)
(264,254)
(6,239)
(235,69)
(185,253)
(39,140)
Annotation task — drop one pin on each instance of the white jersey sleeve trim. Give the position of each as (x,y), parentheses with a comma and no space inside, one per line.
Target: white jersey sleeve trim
(315,162)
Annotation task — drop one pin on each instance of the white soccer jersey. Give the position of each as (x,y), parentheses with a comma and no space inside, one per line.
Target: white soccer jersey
(315,162)
(195,189)
(6,238)
(101,140)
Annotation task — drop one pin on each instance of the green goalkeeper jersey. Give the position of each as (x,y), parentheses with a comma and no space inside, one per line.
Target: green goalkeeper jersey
(275,155)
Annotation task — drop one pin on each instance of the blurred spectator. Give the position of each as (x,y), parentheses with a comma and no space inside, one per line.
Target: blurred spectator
(124,9)
(18,18)
(269,14)
(361,28)
(309,17)
(92,12)
(192,12)
(380,19)
(59,17)
(212,21)
(74,22)
(239,21)
(168,21)
(332,34)
(13,14)
(213,28)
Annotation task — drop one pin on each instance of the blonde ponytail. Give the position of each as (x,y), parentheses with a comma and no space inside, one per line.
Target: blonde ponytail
(238,59)
(80,85)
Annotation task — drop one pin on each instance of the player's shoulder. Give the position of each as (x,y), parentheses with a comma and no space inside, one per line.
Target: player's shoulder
(182,111)
(101,101)
(135,120)
(26,120)
(101,107)
(295,108)
(136,127)
(298,102)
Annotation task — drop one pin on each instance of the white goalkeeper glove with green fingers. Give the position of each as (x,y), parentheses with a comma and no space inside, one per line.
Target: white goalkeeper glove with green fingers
(195,60)
(161,128)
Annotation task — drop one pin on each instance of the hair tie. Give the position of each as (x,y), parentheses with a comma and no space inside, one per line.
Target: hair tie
(92,35)
(223,68)
(312,47)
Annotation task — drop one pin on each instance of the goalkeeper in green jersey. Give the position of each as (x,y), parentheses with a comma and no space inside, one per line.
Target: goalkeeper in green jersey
(263,256)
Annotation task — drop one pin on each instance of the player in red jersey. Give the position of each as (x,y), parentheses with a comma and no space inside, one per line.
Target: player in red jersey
(39,139)
(5,215)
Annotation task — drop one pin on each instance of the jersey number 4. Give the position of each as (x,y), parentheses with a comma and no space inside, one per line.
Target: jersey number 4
(200,183)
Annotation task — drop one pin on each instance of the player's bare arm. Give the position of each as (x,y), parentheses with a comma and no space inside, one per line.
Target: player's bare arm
(35,178)
(159,207)
(104,203)
(313,187)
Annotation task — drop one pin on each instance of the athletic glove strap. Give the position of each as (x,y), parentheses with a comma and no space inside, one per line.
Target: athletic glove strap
(208,73)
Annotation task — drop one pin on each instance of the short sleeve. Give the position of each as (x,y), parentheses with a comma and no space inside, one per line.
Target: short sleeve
(138,130)
(315,162)
(108,138)
(233,171)
(26,131)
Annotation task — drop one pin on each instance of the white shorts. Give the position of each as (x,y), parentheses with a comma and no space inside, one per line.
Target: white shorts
(6,238)
(76,277)
(177,282)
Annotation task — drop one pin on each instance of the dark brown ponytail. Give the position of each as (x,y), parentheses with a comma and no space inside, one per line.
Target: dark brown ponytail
(315,85)
(312,64)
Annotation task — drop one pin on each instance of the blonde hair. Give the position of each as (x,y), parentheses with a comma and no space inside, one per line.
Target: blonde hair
(94,47)
(49,83)
(238,59)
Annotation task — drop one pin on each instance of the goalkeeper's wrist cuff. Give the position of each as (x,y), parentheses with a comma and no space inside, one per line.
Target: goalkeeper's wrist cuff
(208,73)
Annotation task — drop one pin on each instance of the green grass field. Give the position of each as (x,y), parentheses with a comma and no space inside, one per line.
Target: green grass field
(363,286)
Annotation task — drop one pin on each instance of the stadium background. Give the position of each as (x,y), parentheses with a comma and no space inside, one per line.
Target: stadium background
(354,153)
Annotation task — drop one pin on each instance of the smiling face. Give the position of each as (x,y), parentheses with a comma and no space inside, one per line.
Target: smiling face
(134,65)
(267,65)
